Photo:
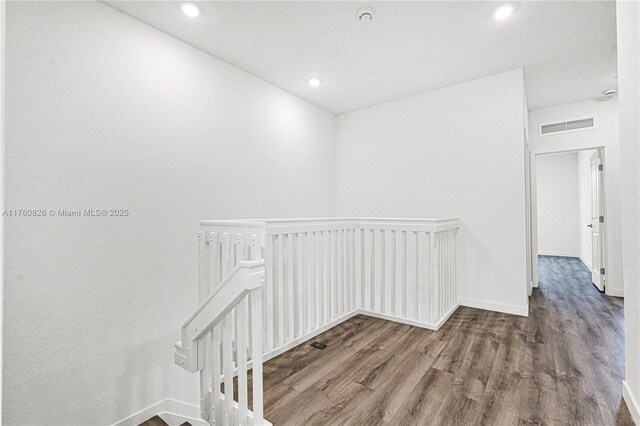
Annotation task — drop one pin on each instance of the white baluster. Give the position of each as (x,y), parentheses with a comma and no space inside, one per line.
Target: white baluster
(359,265)
(424,279)
(256,307)
(205,380)
(378,279)
(227,365)
(284,309)
(269,319)
(291,288)
(339,273)
(368,270)
(301,293)
(347,271)
(455,270)
(447,282)
(319,285)
(400,285)
(310,262)
(242,337)
(279,291)
(328,277)
(333,288)
(216,371)
(388,304)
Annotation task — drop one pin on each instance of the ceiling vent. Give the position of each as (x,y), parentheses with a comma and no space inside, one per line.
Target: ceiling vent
(567,126)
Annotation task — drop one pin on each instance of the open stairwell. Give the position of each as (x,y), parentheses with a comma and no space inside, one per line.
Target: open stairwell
(266,286)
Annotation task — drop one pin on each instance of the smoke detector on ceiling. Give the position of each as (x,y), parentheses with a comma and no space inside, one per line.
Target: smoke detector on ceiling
(365,15)
(606,95)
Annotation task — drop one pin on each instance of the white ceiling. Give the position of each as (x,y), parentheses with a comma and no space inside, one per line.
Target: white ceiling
(568,49)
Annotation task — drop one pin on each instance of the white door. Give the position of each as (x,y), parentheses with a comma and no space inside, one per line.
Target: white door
(527,203)
(597,223)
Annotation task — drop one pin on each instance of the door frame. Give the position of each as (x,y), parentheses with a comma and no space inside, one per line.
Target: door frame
(532,228)
(597,160)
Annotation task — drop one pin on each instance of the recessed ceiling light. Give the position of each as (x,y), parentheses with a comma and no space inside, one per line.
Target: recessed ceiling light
(190,9)
(365,15)
(314,82)
(503,12)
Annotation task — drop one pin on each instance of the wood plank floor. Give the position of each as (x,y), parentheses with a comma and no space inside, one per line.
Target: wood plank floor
(562,365)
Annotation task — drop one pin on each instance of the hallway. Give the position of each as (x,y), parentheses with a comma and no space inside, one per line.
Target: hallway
(562,365)
(586,330)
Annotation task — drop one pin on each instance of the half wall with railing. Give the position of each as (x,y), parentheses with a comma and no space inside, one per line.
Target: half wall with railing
(306,276)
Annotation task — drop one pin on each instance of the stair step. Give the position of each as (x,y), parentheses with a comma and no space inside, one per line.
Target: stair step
(157,421)
(154,421)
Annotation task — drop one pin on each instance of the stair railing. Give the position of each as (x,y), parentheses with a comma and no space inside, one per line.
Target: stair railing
(266,285)
(218,340)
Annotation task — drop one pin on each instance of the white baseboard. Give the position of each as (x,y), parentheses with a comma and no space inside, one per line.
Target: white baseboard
(631,401)
(429,326)
(172,411)
(444,319)
(497,307)
(616,292)
(290,345)
(557,253)
(587,264)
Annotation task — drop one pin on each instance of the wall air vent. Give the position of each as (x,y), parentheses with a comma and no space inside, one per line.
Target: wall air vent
(567,126)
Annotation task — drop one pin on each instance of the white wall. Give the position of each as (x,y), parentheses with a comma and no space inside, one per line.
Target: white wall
(584,205)
(564,204)
(2,73)
(557,183)
(628,16)
(605,135)
(457,151)
(106,112)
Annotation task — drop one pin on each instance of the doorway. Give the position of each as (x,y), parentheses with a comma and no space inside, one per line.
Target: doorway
(570,211)
(596,227)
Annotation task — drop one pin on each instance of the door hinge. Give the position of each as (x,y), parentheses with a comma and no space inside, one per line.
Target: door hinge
(600,168)
(601,271)
(601,219)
